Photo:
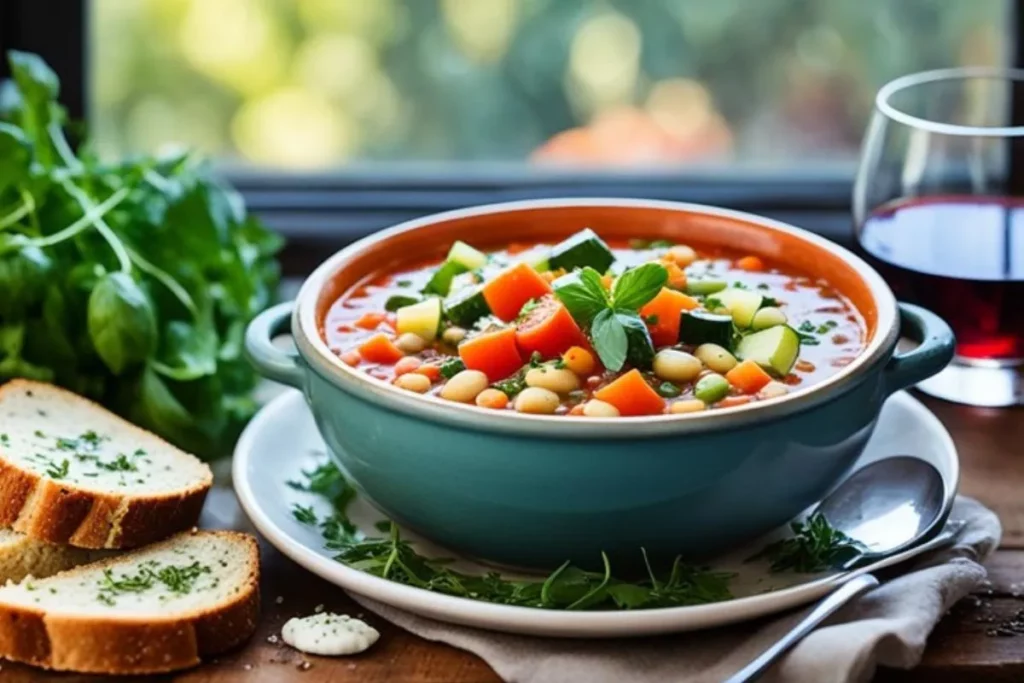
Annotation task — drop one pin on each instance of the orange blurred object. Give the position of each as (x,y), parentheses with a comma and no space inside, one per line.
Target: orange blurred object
(629,136)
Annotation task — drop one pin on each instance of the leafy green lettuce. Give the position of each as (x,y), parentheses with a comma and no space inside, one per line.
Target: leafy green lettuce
(130,283)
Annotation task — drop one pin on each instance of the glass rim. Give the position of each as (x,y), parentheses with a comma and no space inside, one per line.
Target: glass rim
(896,85)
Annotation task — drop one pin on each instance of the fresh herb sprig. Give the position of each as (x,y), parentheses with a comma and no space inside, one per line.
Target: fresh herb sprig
(130,283)
(568,587)
(616,328)
(178,579)
(816,546)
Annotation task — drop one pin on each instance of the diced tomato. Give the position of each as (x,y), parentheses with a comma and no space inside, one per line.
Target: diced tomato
(676,276)
(548,330)
(494,353)
(379,349)
(667,307)
(511,288)
(632,395)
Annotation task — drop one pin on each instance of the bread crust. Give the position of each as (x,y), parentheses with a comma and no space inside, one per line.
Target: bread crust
(132,645)
(48,510)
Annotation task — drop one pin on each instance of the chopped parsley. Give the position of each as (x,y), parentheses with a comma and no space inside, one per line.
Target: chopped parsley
(304,514)
(763,285)
(528,308)
(404,283)
(815,547)
(451,367)
(39,434)
(5,440)
(827,326)
(713,304)
(177,579)
(119,464)
(60,471)
(511,386)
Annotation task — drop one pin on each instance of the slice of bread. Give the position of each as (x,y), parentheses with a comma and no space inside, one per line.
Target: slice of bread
(153,610)
(72,472)
(22,556)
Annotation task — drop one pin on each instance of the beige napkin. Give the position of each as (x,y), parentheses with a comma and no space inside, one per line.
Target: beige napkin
(886,627)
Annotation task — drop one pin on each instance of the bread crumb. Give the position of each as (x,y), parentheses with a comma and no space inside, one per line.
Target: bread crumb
(318,609)
(305,666)
(247,667)
(272,639)
(279,599)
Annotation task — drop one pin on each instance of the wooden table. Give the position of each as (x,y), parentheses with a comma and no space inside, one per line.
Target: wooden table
(980,641)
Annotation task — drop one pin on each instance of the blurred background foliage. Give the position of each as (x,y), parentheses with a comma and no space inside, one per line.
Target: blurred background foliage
(315,84)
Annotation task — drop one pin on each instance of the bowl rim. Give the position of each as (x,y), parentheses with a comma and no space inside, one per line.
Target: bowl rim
(316,354)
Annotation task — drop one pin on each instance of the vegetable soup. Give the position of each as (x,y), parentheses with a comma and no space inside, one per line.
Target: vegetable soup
(591,329)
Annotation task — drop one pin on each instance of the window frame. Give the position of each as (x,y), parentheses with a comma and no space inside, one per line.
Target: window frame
(318,211)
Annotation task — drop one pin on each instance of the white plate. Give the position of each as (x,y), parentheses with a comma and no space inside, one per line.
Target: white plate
(282,440)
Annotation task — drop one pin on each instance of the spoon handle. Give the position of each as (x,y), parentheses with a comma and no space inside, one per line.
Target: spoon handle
(846,592)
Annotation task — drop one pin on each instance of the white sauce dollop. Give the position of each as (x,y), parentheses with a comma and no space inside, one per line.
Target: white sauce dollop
(329,634)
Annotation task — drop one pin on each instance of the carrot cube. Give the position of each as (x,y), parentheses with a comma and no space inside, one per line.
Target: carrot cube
(379,349)
(507,291)
(632,395)
(548,329)
(666,307)
(748,377)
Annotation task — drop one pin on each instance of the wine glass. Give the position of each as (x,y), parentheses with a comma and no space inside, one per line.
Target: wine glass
(939,208)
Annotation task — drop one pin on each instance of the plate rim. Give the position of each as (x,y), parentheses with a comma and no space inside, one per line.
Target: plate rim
(531,620)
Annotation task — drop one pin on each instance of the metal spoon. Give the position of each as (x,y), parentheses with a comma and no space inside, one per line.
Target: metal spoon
(890,506)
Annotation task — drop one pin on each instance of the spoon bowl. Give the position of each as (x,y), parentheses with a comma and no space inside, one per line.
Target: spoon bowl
(888,506)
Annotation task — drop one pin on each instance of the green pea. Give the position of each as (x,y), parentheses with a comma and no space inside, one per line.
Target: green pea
(669,390)
(712,388)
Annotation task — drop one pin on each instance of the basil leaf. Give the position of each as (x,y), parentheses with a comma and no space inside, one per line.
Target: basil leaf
(15,156)
(24,279)
(121,321)
(609,339)
(187,352)
(637,286)
(578,296)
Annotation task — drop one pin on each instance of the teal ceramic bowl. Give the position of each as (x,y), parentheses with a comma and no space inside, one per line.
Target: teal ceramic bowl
(535,491)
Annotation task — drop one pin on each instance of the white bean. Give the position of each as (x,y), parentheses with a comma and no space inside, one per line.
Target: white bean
(715,357)
(413,381)
(693,405)
(465,386)
(682,255)
(773,389)
(453,335)
(595,408)
(558,380)
(536,400)
(676,366)
(410,343)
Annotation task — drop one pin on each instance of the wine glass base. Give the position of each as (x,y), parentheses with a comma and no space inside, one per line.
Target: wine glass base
(977,384)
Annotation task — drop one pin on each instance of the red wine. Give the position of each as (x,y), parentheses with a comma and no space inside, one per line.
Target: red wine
(961,257)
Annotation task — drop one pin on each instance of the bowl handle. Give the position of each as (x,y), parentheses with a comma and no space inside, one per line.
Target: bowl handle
(934,352)
(270,361)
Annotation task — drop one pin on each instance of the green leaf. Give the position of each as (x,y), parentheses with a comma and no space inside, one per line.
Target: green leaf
(122,324)
(581,294)
(24,278)
(187,352)
(637,286)
(38,87)
(15,156)
(609,339)
(628,595)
